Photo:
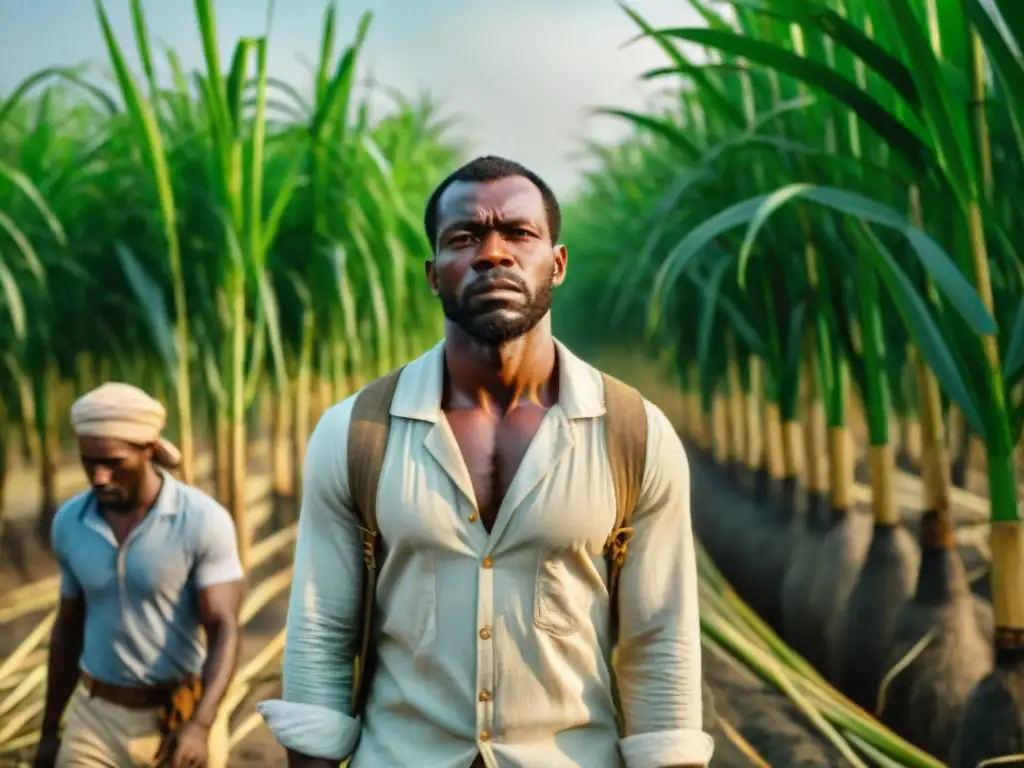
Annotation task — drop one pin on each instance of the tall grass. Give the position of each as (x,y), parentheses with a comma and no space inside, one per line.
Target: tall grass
(223,238)
(833,193)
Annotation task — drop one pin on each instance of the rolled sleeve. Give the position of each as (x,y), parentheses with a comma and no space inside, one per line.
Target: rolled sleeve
(659,656)
(664,749)
(218,561)
(324,613)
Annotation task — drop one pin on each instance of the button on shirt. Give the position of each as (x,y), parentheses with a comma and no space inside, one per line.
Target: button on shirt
(495,644)
(142,598)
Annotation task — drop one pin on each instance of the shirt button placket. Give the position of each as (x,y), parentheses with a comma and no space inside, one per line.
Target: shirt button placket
(122,567)
(122,577)
(485,650)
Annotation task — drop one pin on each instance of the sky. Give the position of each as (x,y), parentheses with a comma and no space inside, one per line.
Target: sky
(520,76)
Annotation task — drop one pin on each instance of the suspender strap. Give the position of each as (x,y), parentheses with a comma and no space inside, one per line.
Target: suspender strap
(367,441)
(625,425)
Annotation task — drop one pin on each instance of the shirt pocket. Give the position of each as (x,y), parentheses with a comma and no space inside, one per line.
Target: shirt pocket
(411,604)
(555,610)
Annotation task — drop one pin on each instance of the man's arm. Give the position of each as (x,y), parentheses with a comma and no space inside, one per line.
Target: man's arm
(312,718)
(659,657)
(220,581)
(66,640)
(218,608)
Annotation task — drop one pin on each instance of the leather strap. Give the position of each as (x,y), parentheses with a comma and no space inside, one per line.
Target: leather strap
(625,425)
(143,697)
(367,441)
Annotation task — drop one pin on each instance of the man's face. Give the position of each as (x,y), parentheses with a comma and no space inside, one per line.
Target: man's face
(115,470)
(495,265)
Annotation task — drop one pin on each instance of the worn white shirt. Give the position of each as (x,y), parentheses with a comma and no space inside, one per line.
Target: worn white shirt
(497,644)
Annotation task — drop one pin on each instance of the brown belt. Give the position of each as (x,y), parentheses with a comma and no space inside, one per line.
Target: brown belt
(145,697)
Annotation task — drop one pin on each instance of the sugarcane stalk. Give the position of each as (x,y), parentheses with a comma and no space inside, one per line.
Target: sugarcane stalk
(222,456)
(793,450)
(281,454)
(938,526)
(956,442)
(302,387)
(325,386)
(339,378)
(934,459)
(815,430)
(236,462)
(881,460)
(1007,531)
(720,423)
(5,459)
(775,454)
(30,446)
(738,428)
(46,432)
(756,428)
(695,407)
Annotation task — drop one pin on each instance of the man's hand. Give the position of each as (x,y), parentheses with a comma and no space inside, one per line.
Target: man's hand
(46,752)
(190,751)
(188,748)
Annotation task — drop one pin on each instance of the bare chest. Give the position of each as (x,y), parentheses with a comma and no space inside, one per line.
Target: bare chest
(493,449)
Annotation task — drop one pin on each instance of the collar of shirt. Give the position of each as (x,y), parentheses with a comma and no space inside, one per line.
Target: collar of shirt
(166,501)
(418,395)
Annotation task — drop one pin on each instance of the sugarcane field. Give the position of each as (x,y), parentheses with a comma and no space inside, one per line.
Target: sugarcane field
(804,249)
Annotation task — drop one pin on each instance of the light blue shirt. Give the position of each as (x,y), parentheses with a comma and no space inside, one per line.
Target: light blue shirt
(142,599)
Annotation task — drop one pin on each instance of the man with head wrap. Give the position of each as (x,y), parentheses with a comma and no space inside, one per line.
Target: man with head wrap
(145,560)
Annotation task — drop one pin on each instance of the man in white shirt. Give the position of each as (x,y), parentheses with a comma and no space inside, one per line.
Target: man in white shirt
(494,638)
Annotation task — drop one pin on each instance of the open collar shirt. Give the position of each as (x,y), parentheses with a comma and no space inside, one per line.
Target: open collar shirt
(498,643)
(142,597)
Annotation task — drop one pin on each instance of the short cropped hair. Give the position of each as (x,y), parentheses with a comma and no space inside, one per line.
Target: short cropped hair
(492,168)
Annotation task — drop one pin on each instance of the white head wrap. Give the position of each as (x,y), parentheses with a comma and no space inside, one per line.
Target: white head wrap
(120,411)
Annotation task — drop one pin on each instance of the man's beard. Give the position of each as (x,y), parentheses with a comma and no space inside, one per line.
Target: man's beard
(119,505)
(490,328)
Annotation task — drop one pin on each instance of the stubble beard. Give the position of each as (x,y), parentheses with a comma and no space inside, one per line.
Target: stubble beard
(492,329)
